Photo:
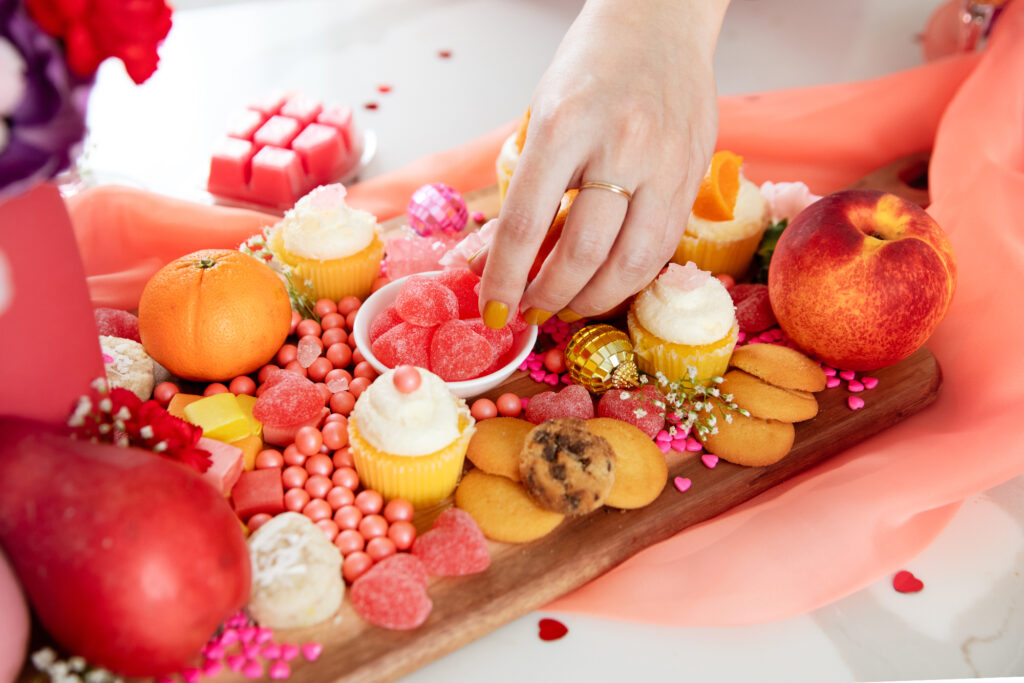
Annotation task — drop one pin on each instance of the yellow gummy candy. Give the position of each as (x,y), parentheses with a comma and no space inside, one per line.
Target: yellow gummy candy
(220,416)
(246,403)
(251,445)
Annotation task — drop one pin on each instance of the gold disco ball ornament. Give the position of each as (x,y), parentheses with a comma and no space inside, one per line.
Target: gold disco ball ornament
(600,357)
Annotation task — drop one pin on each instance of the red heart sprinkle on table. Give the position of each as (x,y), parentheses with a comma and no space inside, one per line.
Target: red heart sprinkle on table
(383,88)
(551,629)
(905,582)
(682,483)
(444,54)
(370,105)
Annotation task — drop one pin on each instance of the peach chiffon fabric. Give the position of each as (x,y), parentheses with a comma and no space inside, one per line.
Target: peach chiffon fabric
(865,513)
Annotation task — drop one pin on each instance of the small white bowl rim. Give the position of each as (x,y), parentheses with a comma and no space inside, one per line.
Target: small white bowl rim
(463,389)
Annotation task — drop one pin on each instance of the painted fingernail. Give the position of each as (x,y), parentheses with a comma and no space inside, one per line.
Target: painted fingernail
(495,315)
(536,316)
(567,316)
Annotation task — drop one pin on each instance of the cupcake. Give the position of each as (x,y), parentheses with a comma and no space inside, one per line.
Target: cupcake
(729,218)
(408,436)
(509,156)
(683,325)
(333,249)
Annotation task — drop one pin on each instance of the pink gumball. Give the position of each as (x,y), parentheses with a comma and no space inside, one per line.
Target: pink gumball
(406,378)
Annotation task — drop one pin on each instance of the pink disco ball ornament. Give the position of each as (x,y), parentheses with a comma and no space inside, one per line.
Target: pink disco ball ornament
(437,208)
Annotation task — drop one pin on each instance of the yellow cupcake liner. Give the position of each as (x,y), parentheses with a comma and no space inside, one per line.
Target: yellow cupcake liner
(423,480)
(732,257)
(654,354)
(333,278)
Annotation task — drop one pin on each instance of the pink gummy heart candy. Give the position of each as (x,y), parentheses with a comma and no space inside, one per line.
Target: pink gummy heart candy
(393,593)
(384,321)
(572,401)
(112,322)
(426,302)
(287,398)
(500,340)
(463,284)
(454,546)
(643,408)
(404,344)
(458,353)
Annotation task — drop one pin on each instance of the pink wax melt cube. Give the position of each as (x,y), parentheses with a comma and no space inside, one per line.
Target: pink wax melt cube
(340,118)
(226,466)
(322,151)
(269,105)
(245,124)
(230,166)
(303,109)
(277,177)
(258,491)
(278,131)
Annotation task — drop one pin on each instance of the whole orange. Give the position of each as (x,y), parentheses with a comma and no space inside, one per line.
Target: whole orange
(214,314)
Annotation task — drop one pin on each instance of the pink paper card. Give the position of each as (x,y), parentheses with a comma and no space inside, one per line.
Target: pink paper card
(49,347)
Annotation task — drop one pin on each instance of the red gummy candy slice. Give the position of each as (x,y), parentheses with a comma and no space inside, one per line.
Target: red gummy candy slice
(113,322)
(404,344)
(500,340)
(754,310)
(454,546)
(425,302)
(384,321)
(287,398)
(572,401)
(392,594)
(458,353)
(463,283)
(635,406)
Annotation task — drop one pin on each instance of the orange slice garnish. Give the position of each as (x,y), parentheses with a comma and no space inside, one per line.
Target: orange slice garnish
(521,133)
(716,198)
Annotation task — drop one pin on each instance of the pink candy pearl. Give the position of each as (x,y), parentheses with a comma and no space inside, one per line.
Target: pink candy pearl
(406,378)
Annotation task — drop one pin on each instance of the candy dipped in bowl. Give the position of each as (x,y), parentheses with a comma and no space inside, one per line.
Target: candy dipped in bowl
(522,342)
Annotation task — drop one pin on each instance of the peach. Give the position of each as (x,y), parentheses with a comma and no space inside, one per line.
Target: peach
(860,279)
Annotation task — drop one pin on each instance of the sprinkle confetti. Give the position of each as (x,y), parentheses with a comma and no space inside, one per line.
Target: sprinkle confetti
(682,484)
(905,582)
(551,629)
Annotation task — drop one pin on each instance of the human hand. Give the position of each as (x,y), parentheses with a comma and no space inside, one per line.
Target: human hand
(629,100)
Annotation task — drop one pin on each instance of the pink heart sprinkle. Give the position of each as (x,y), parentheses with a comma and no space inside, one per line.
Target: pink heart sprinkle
(311,651)
(271,651)
(523,366)
(551,379)
(279,670)
(709,460)
(829,371)
(847,374)
(855,402)
(107,358)
(252,669)
(741,338)
(251,650)
(537,375)
(235,662)
(682,483)
(229,637)
(212,667)
(524,401)
(678,445)
(663,446)
(693,445)
(855,386)
(289,651)
(247,633)
(478,216)
(214,651)
(869,382)
(190,675)
(832,382)
(566,379)
(663,435)
(264,635)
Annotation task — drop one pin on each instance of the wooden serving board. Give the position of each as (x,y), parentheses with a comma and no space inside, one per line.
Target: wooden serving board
(525,577)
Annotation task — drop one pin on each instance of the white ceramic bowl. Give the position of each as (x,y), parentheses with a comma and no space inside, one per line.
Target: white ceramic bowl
(522,343)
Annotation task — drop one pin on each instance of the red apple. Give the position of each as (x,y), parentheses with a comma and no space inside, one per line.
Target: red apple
(860,279)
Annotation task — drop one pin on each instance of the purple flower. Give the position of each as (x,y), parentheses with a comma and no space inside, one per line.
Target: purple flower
(43,117)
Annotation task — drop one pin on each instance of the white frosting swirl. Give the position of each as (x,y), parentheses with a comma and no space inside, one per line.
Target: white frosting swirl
(418,423)
(686,306)
(322,226)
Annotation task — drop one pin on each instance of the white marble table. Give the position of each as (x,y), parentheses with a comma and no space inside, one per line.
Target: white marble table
(969,620)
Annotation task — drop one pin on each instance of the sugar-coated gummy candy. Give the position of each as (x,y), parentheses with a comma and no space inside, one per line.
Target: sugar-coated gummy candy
(114,322)
(411,255)
(404,344)
(393,593)
(458,353)
(384,321)
(643,408)
(308,350)
(454,546)
(287,398)
(572,401)
(754,311)
(462,282)
(500,340)
(426,302)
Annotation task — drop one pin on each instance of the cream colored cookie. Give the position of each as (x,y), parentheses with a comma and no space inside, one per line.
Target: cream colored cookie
(503,509)
(750,441)
(640,468)
(779,365)
(496,445)
(296,573)
(767,401)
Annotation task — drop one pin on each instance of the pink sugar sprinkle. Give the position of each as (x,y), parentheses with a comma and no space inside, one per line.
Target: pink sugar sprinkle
(535,364)
(478,216)
(190,675)
(678,445)
(235,662)
(663,446)
(246,634)
(107,358)
(855,402)
(855,386)
(212,667)
(524,366)
(551,379)
(869,382)
(164,679)
(693,445)
(264,635)
(279,670)
(829,371)
(311,650)
(710,461)
(289,651)
(663,435)
(847,374)
(524,401)
(832,382)
(229,637)
(251,650)
(237,621)
(682,484)
(741,338)
(566,379)
(271,651)
(537,375)
(252,669)
(214,651)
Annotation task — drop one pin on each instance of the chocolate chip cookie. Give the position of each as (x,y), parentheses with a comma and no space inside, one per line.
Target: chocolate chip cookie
(565,467)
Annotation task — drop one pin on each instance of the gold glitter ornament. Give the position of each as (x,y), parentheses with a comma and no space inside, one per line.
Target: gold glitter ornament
(600,357)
